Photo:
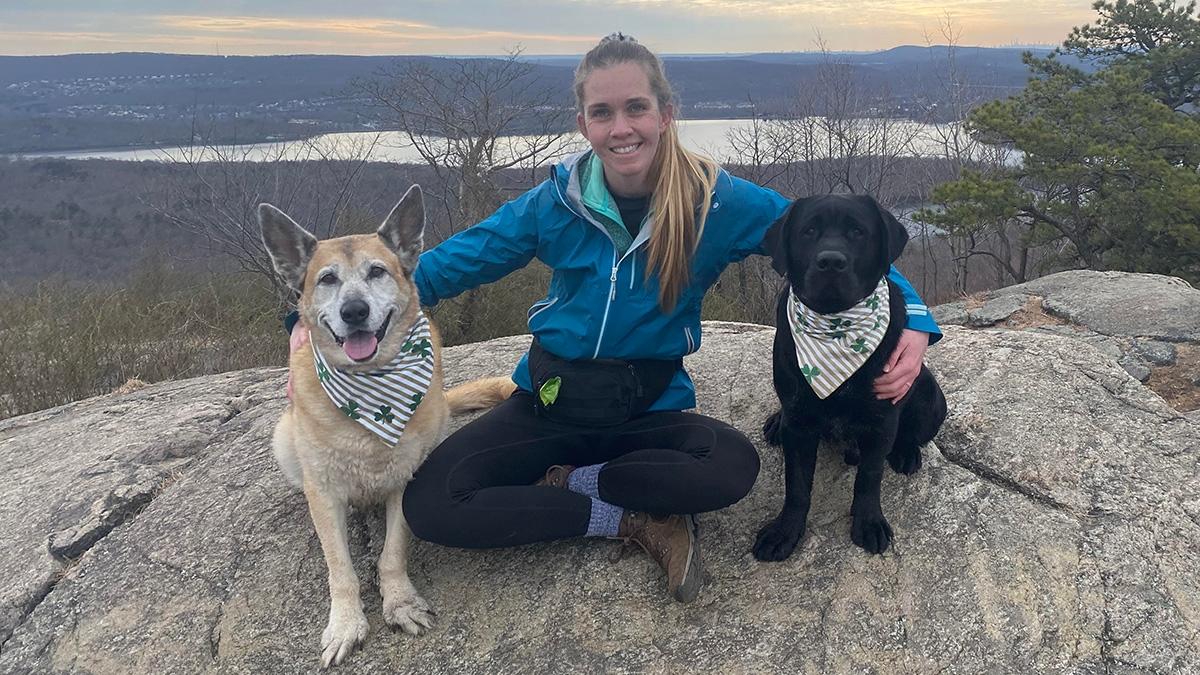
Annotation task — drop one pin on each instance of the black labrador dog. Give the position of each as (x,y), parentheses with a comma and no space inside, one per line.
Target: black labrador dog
(834,251)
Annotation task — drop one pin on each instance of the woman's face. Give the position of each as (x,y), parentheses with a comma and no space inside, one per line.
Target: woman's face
(622,120)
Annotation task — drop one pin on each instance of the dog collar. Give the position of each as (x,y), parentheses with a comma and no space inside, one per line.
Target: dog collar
(832,347)
(383,400)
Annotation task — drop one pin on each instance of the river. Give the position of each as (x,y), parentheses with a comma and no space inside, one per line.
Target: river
(712,137)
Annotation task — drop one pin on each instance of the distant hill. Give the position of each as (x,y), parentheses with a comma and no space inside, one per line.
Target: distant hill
(136,99)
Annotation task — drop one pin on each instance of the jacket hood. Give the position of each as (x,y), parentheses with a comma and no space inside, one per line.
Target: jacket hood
(566,178)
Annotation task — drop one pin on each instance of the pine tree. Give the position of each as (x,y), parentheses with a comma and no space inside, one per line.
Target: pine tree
(1109,161)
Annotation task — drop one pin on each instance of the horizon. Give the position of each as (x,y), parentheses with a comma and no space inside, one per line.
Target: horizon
(457,28)
(539,55)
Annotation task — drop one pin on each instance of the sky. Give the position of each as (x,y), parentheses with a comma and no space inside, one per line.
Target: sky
(461,27)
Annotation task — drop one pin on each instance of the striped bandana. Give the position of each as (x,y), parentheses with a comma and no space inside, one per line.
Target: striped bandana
(384,400)
(831,347)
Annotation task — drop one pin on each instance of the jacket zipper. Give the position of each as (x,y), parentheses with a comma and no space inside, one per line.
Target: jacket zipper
(612,294)
(612,289)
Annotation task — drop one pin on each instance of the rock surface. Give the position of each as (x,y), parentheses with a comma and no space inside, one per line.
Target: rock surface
(1053,529)
(1149,323)
(1120,303)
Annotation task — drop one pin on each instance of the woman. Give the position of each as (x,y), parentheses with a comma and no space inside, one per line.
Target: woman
(594,442)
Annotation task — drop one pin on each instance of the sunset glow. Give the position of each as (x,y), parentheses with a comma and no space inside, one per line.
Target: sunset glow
(460,27)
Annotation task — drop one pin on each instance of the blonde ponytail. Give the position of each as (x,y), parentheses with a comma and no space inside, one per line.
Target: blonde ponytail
(683,186)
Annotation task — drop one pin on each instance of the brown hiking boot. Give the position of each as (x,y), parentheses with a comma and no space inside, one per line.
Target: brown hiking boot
(556,476)
(671,542)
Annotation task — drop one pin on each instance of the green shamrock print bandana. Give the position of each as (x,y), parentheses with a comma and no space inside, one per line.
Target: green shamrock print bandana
(832,347)
(383,400)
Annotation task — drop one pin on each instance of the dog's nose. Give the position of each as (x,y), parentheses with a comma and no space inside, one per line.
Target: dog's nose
(831,260)
(355,311)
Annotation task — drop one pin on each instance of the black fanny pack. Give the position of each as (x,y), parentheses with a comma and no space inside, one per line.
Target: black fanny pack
(596,392)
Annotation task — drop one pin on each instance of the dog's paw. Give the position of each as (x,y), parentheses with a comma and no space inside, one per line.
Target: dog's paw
(907,462)
(776,540)
(872,533)
(773,428)
(408,611)
(343,633)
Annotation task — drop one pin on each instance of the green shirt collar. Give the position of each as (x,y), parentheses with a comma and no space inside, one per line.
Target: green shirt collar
(597,199)
(595,193)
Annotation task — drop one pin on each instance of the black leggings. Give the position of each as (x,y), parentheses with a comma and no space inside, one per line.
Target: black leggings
(475,490)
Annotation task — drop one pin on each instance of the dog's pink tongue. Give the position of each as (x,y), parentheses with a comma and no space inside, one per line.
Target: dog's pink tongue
(360,345)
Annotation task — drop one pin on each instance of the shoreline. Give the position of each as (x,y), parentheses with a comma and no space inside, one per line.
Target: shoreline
(83,153)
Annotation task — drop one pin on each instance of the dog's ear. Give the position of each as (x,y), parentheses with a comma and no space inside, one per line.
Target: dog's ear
(895,236)
(404,229)
(775,243)
(289,245)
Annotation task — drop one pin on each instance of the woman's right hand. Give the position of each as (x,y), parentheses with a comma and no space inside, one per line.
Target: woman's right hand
(298,339)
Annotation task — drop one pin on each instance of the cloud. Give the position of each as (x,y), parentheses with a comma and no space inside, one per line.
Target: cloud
(380,31)
(52,32)
(865,8)
(537,26)
(845,21)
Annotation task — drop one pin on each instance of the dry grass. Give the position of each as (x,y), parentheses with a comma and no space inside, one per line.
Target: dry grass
(974,300)
(1179,384)
(131,385)
(1032,315)
(63,341)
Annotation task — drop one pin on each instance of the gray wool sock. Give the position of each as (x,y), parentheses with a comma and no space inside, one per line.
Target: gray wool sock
(586,480)
(605,519)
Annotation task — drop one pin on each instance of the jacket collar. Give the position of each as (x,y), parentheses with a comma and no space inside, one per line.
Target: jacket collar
(568,177)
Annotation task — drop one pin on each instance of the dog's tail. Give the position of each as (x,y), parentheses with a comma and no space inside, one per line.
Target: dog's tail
(479,394)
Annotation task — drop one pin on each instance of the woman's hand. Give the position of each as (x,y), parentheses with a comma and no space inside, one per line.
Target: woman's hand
(902,366)
(298,339)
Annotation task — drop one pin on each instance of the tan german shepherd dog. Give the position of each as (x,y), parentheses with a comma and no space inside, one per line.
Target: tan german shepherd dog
(358,299)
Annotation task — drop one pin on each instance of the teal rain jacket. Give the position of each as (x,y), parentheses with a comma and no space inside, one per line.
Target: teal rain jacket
(599,303)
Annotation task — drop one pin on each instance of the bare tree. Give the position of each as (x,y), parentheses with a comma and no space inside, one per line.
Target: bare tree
(470,120)
(946,136)
(214,190)
(835,136)
(853,140)
(765,149)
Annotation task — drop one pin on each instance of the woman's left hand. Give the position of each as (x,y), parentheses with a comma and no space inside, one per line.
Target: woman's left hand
(902,366)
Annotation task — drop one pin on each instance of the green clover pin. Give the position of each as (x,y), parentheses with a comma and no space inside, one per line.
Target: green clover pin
(351,410)
(548,392)
(385,414)
(810,372)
